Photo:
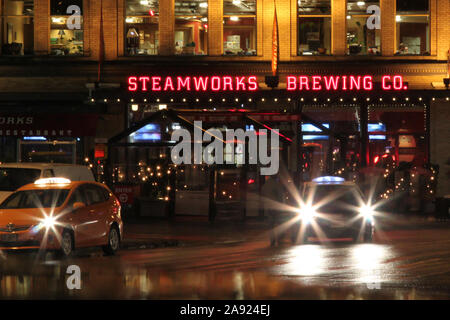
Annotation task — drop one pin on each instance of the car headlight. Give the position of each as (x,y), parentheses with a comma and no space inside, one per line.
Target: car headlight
(307,213)
(46,223)
(366,212)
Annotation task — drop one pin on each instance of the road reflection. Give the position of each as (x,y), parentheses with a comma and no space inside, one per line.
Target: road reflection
(300,272)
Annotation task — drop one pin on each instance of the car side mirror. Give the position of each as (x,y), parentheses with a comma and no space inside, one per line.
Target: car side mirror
(78,205)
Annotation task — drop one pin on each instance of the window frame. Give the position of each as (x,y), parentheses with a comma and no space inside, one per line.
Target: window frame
(305,16)
(66,16)
(3,22)
(412,14)
(360,15)
(242,16)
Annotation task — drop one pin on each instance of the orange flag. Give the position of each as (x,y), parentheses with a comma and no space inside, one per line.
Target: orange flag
(275,55)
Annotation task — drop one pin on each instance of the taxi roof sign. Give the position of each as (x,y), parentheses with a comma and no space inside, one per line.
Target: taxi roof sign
(328,179)
(52,181)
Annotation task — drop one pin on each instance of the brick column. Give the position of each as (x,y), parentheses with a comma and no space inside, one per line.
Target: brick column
(215,27)
(443,31)
(284,25)
(259,27)
(267,29)
(41,27)
(339,27)
(121,28)
(294,28)
(109,29)
(166,27)
(86,26)
(388,27)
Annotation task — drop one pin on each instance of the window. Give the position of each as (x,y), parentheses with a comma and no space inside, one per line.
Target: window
(66,31)
(191,27)
(18,27)
(363,35)
(141,27)
(93,194)
(28,199)
(314,27)
(77,196)
(239,27)
(413,27)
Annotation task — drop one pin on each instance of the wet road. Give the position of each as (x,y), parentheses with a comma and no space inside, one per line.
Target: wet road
(400,264)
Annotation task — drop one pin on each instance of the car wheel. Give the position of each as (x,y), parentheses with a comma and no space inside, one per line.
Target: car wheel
(67,243)
(113,241)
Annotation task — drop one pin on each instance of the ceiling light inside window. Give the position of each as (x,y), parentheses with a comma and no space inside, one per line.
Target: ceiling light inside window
(361,3)
(234,18)
(236,2)
(203,5)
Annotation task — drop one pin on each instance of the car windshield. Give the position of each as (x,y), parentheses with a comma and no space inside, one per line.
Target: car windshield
(28,199)
(13,178)
(333,198)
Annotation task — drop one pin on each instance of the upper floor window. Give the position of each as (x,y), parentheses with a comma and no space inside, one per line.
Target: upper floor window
(413,27)
(191,27)
(66,27)
(363,30)
(142,27)
(18,27)
(239,27)
(314,27)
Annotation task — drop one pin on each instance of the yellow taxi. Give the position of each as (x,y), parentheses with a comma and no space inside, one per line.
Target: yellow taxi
(59,214)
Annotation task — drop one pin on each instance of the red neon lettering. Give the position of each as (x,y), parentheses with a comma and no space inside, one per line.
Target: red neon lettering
(344,82)
(367,83)
(144,81)
(168,83)
(227,82)
(291,83)
(156,86)
(383,83)
(240,83)
(331,81)
(215,83)
(355,83)
(304,81)
(132,84)
(398,82)
(253,84)
(184,84)
(316,83)
(201,83)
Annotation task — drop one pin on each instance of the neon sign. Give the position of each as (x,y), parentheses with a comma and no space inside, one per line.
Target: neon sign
(250,83)
(213,83)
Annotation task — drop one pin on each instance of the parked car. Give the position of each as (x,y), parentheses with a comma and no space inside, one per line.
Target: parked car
(334,209)
(15,175)
(63,215)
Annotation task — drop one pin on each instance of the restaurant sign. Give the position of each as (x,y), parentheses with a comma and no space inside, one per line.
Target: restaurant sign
(48,125)
(156,83)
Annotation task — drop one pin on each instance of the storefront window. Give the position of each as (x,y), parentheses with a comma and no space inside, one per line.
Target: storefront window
(239,27)
(66,32)
(18,27)
(141,27)
(413,27)
(314,27)
(363,31)
(191,27)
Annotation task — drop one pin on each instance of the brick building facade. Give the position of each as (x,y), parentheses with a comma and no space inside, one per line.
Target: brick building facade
(48,78)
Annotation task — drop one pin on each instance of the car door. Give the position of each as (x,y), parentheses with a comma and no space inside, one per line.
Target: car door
(97,213)
(79,218)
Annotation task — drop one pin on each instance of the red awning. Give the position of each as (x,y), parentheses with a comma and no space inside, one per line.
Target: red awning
(48,125)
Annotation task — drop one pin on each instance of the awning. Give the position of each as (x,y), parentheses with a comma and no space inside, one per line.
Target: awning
(48,124)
